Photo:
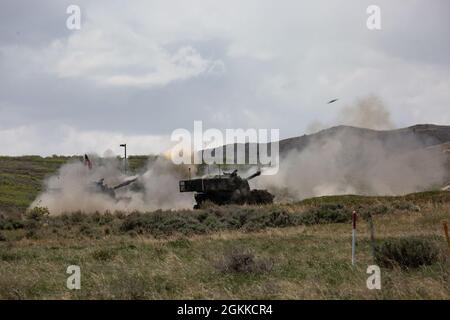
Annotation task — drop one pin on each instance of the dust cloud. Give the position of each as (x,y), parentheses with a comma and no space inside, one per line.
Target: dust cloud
(368,112)
(347,160)
(350,160)
(74,188)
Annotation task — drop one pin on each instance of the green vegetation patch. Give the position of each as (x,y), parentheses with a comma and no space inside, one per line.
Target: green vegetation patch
(229,218)
(407,252)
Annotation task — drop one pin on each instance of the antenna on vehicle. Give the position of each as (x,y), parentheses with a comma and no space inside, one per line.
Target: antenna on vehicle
(189,173)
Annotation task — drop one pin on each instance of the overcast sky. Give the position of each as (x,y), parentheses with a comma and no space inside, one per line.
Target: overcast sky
(137,70)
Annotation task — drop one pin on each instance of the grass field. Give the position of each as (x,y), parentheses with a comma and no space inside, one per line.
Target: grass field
(293,251)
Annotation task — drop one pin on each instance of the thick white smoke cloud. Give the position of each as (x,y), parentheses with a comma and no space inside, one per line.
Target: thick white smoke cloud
(74,188)
(347,162)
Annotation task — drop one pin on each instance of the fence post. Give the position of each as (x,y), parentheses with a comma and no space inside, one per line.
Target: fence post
(446,234)
(372,235)
(353,236)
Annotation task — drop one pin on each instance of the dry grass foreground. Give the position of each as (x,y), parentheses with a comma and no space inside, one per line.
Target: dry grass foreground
(283,258)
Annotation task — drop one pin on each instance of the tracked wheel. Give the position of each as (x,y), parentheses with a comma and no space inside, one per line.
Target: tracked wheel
(260,197)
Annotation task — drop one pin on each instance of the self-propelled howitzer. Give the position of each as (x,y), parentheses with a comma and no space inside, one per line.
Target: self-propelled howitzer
(101,187)
(228,188)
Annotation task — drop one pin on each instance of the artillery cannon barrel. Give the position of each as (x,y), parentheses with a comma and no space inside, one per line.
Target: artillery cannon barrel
(123,184)
(257,173)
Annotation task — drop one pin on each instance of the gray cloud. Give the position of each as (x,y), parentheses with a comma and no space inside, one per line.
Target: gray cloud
(140,71)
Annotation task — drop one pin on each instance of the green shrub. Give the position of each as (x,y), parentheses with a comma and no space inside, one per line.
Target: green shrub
(9,256)
(31,225)
(104,254)
(326,213)
(182,243)
(102,218)
(372,210)
(37,213)
(228,218)
(168,223)
(406,206)
(409,252)
(239,260)
(31,234)
(74,218)
(281,219)
(86,230)
(10,224)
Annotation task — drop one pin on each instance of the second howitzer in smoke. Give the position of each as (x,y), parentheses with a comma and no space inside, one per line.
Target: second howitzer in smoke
(100,186)
(228,188)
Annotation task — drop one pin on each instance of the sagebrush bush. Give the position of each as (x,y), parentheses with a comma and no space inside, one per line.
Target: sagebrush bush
(185,222)
(326,213)
(37,213)
(409,252)
(167,223)
(240,260)
(74,218)
(31,234)
(229,217)
(372,210)
(9,256)
(104,254)
(32,228)
(10,224)
(102,218)
(406,206)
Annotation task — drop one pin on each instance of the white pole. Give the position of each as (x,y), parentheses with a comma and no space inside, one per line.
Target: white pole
(353,236)
(124,145)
